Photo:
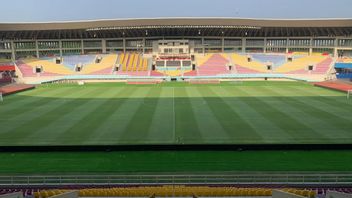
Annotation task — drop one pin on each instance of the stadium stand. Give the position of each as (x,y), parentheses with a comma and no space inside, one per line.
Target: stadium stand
(174,191)
(343,70)
(276,59)
(28,68)
(344,60)
(73,60)
(133,64)
(213,65)
(300,65)
(102,68)
(245,67)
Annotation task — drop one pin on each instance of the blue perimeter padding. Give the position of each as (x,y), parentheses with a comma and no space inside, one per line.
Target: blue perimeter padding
(343,65)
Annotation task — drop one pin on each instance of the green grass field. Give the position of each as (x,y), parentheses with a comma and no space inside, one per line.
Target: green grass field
(173,161)
(176,113)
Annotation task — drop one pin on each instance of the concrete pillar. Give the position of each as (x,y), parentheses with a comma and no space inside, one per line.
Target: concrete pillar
(203,47)
(13,54)
(82,47)
(143,46)
(311,47)
(36,48)
(60,47)
(243,45)
(222,44)
(103,45)
(124,45)
(335,54)
(310,51)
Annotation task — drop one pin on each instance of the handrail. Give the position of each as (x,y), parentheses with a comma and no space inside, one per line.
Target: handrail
(165,179)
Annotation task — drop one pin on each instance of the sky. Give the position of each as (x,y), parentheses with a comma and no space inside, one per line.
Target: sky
(73,10)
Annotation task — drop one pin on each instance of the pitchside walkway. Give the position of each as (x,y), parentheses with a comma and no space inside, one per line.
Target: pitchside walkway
(11,89)
(335,85)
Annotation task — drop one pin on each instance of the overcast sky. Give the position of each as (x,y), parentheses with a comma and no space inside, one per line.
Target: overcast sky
(70,10)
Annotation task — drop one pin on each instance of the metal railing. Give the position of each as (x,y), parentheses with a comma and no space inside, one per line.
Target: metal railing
(170,179)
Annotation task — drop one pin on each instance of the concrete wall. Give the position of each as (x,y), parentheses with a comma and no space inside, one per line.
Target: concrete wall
(12,195)
(333,194)
(282,194)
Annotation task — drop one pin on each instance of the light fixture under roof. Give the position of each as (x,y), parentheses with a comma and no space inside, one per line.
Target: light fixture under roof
(174,26)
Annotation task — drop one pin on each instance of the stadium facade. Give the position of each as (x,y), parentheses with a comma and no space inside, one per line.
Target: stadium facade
(209,34)
(229,40)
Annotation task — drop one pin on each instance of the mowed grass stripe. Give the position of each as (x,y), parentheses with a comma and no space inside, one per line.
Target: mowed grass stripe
(335,99)
(254,114)
(187,130)
(308,130)
(324,120)
(238,129)
(65,117)
(330,104)
(274,110)
(137,128)
(108,131)
(162,127)
(333,104)
(123,116)
(207,123)
(28,102)
(85,120)
(8,122)
(39,126)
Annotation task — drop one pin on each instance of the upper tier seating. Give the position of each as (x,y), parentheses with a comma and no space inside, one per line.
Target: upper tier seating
(213,65)
(103,68)
(72,61)
(133,64)
(27,68)
(299,65)
(275,59)
(245,67)
(202,59)
(344,60)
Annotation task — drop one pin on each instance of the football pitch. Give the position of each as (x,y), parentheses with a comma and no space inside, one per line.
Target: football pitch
(176,113)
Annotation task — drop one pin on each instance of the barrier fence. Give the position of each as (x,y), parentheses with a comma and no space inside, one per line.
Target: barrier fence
(169,179)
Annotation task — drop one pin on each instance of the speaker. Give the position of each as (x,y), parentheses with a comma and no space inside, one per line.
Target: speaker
(58,60)
(98,59)
(193,67)
(249,58)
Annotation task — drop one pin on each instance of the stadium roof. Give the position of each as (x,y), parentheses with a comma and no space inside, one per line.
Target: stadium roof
(150,27)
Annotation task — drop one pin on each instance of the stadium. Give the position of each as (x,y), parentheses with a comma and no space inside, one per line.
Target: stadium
(176,107)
